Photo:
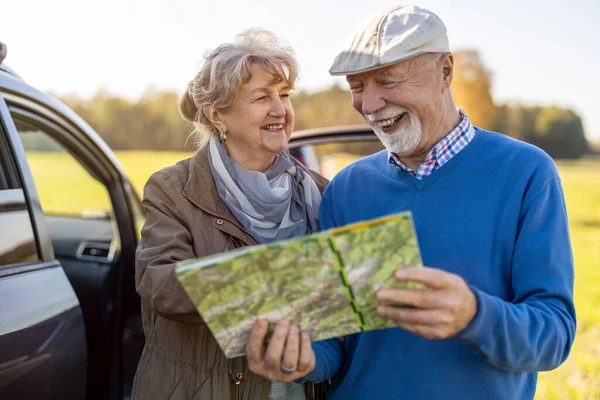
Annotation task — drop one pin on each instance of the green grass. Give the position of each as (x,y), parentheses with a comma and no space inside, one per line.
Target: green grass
(141,164)
(578,378)
(64,186)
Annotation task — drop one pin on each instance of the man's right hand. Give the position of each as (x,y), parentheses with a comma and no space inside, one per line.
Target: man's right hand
(288,350)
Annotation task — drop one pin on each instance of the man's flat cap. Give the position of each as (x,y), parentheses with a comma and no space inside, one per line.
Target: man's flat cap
(391,36)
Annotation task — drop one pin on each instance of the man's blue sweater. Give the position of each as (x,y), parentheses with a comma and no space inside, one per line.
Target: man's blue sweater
(495,215)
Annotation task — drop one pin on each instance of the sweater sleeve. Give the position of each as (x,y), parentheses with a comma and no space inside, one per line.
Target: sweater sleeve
(329,354)
(535,331)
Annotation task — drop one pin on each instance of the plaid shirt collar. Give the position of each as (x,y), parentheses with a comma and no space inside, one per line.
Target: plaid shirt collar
(443,151)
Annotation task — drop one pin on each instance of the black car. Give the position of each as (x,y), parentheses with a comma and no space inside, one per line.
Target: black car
(69,314)
(70,323)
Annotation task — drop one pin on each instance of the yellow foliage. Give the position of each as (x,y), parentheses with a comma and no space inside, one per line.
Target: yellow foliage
(471,88)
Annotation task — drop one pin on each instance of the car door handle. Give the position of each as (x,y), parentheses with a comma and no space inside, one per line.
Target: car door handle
(96,251)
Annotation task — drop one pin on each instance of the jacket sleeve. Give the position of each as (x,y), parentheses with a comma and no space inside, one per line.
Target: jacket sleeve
(165,241)
(535,331)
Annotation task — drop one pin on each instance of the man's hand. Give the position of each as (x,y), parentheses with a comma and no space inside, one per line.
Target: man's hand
(289,355)
(438,311)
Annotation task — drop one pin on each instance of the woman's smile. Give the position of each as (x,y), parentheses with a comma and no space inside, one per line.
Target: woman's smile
(273,129)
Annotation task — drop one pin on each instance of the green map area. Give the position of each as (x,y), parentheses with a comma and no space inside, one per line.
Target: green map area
(324,282)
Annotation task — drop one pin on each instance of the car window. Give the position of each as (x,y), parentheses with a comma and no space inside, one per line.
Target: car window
(329,158)
(64,186)
(17,240)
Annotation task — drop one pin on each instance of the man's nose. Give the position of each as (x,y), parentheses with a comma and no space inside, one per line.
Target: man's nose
(371,101)
(277,108)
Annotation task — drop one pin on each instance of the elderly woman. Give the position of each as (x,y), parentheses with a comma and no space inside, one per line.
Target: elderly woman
(241,188)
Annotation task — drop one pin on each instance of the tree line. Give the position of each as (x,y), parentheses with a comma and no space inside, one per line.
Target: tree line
(558,131)
(152,122)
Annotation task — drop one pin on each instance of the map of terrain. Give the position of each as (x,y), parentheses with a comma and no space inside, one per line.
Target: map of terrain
(324,282)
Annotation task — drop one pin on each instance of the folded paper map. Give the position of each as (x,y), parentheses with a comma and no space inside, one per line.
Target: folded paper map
(324,282)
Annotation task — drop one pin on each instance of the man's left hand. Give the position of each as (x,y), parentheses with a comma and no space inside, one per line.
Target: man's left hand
(439,310)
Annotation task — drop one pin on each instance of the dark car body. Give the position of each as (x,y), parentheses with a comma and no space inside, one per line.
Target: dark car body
(69,315)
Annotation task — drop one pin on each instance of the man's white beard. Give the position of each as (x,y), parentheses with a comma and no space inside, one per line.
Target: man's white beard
(406,137)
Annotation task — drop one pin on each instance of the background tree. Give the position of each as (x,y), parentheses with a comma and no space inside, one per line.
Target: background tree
(560,133)
(152,122)
(330,107)
(472,88)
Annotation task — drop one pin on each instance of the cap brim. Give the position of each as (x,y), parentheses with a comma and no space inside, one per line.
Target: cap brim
(340,71)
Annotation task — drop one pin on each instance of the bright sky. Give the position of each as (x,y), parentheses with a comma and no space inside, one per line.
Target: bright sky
(540,51)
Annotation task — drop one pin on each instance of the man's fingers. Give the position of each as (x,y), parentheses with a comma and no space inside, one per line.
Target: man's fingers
(419,298)
(430,277)
(292,349)
(255,348)
(415,316)
(427,332)
(306,363)
(276,344)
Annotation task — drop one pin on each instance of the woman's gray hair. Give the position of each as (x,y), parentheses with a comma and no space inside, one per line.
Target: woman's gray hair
(226,69)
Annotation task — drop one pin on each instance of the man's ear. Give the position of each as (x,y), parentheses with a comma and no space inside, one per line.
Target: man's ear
(215,117)
(447,64)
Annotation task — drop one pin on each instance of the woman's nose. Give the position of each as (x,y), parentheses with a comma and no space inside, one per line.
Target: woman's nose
(277,108)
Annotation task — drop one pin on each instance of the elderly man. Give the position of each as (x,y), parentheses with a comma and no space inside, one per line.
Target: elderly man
(490,215)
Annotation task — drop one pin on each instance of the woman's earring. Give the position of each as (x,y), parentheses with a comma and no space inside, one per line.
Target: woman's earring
(223,136)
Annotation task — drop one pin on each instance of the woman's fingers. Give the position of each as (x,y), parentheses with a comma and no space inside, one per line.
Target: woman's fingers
(306,363)
(255,349)
(292,350)
(288,356)
(276,345)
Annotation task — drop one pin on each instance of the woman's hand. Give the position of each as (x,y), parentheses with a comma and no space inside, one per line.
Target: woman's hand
(289,355)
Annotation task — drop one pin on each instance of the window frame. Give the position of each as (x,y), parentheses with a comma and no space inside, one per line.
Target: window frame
(86,147)
(18,176)
(9,175)
(74,147)
(59,130)
(71,131)
(67,142)
(68,135)
(14,201)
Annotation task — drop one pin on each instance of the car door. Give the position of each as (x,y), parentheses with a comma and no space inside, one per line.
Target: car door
(88,208)
(42,335)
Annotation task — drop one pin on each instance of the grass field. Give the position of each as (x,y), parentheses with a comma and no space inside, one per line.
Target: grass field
(578,378)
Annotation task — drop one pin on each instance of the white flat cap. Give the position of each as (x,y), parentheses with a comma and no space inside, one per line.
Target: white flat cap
(390,36)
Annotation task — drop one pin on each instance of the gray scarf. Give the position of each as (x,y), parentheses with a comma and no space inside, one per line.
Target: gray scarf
(279,203)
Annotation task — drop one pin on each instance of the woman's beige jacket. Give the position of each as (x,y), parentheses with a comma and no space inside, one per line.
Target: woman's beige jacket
(186,218)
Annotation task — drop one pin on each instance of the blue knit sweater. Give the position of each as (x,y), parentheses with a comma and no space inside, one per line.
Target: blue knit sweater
(495,215)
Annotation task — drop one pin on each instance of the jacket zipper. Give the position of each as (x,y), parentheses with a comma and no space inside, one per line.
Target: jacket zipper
(236,380)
